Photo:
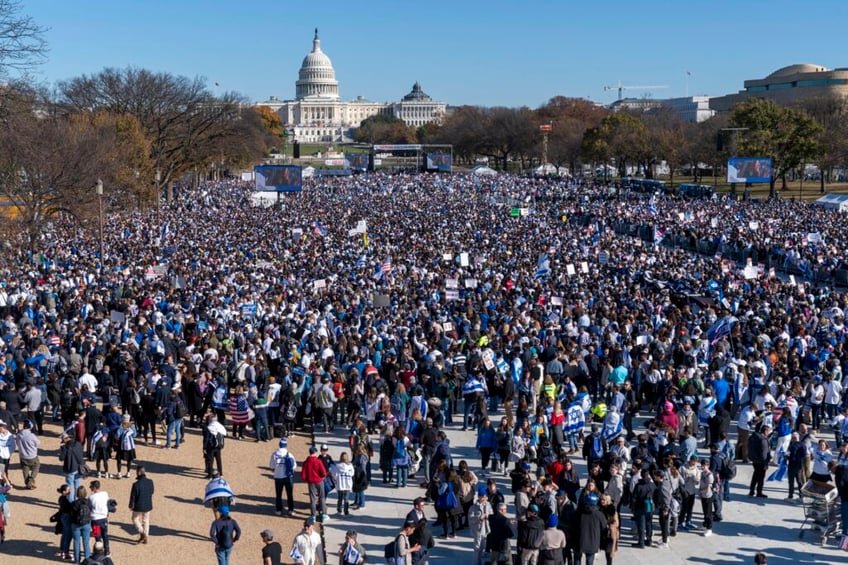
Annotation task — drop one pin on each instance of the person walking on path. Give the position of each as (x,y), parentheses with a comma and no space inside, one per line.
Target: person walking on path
(213,442)
(81,524)
(478,521)
(126,445)
(760,455)
(225,532)
(313,473)
(342,473)
(100,513)
(706,492)
(284,465)
(28,444)
(272,551)
(141,503)
(306,549)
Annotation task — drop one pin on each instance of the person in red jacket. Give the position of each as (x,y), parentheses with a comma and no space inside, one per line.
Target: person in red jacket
(313,473)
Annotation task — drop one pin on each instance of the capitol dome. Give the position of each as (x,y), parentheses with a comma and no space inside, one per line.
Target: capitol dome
(316,78)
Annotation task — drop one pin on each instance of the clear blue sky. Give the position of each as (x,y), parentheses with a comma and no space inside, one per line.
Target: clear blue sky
(494,53)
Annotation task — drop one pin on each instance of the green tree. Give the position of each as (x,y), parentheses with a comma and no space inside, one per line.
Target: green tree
(831,113)
(384,129)
(621,137)
(788,135)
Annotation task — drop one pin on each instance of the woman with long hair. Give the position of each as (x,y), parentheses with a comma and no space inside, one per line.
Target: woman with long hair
(610,542)
(63,517)
(81,527)
(467,482)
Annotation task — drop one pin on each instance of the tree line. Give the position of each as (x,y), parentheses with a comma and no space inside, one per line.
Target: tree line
(583,133)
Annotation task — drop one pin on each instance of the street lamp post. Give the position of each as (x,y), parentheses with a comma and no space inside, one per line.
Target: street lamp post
(99,187)
(158,192)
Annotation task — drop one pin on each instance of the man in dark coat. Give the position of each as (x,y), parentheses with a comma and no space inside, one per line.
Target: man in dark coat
(497,542)
(593,525)
(442,453)
(760,456)
(141,503)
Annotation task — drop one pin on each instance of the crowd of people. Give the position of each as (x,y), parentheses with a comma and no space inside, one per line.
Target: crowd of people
(395,307)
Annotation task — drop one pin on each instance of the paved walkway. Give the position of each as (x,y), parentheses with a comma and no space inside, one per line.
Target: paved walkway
(749,525)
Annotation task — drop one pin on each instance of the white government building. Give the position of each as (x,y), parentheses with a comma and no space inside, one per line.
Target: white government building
(317,114)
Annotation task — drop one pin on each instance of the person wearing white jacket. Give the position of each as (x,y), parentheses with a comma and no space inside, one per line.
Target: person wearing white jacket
(284,465)
(342,472)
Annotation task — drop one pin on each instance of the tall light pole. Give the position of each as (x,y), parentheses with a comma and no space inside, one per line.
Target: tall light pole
(99,187)
(158,192)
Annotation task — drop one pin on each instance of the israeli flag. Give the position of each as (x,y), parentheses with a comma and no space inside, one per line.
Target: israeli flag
(543,267)
(721,328)
(652,206)
(351,555)
(295,554)
(163,233)
(359,262)
(782,467)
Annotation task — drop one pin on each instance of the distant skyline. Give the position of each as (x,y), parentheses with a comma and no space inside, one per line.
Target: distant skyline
(495,53)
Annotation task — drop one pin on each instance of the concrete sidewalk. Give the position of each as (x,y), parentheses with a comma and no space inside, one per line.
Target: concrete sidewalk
(749,525)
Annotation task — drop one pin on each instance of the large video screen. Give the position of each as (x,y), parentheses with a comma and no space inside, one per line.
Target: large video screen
(749,169)
(358,161)
(438,161)
(278,178)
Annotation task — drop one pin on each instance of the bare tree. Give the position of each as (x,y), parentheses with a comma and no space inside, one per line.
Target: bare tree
(184,122)
(22,45)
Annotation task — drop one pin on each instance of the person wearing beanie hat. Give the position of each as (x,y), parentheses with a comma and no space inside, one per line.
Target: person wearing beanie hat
(284,465)
(478,521)
(225,532)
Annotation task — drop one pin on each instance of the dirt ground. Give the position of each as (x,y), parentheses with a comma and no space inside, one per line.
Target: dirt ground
(179,523)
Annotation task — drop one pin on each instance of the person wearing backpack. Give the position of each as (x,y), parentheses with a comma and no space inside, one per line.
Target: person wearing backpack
(225,532)
(399,551)
(213,443)
(283,464)
(81,523)
(642,505)
(400,457)
(531,536)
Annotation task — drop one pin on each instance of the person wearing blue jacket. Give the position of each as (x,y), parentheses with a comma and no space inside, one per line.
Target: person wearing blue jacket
(486,443)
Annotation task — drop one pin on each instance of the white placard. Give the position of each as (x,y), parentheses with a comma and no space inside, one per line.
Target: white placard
(754,225)
(556,300)
(451,283)
(452,294)
(584,266)
(470,283)
(751,272)
(463,259)
(447,256)
(447,327)
(319,284)
(569,270)
(643,340)
(714,222)
(792,280)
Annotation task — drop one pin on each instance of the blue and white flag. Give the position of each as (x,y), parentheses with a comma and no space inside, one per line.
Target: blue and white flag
(360,262)
(295,554)
(351,555)
(652,206)
(721,328)
(659,235)
(163,233)
(543,267)
(782,467)
(319,229)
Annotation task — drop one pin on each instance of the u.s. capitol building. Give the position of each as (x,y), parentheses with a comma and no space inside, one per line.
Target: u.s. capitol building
(317,114)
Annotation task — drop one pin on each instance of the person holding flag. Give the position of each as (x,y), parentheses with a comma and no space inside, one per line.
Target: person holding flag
(306,549)
(350,551)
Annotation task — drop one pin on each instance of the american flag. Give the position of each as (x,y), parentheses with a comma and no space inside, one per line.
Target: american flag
(386,266)
(319,229)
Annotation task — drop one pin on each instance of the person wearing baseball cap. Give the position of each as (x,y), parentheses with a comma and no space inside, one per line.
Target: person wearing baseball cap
(478,521)
(272,551)
(306,548)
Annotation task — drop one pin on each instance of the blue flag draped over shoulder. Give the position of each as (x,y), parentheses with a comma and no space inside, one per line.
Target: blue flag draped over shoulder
(782,467)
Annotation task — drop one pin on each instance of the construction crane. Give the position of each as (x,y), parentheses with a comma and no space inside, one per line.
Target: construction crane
(622,88)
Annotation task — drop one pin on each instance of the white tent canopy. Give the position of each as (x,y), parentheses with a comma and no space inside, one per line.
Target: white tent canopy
(549,169)
(833,202)
(307,172)
(484,171)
